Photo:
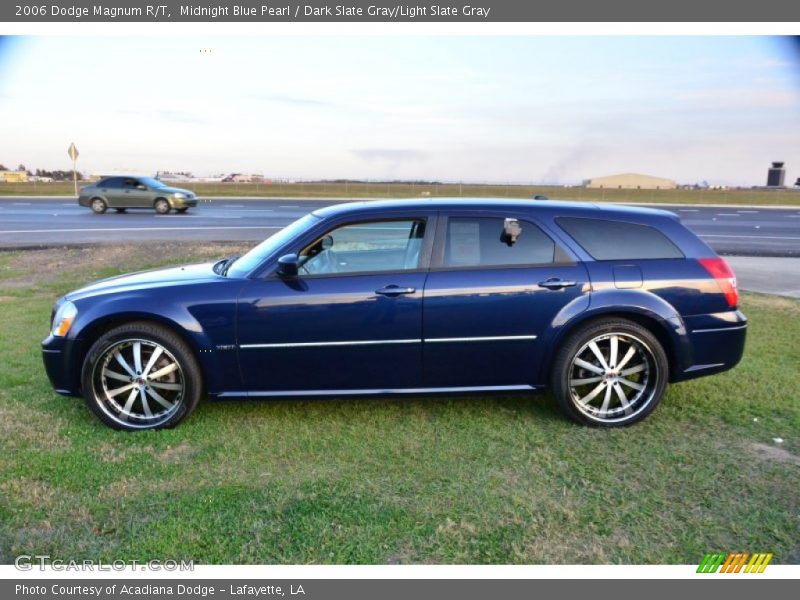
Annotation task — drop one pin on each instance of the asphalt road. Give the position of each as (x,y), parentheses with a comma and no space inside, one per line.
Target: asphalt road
(744,231)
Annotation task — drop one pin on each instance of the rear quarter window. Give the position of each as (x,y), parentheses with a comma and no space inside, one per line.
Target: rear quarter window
(617,240)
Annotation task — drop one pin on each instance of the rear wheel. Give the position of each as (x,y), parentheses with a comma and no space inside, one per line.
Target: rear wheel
(162,206)
(141,376)
(610,373)
(99,206)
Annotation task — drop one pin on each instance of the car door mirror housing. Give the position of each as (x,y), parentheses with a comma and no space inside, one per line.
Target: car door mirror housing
(289,265)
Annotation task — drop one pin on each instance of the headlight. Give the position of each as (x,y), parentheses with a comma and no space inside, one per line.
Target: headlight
(179,195)
(63,320)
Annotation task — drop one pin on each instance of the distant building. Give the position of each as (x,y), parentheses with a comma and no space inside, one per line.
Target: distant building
(630,181)
(776,175)
(14,176)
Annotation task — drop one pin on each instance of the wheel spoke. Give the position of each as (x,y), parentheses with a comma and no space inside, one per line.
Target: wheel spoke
(588,366)
(153,358)
(623,399)
(165,386)
(114,375)
(159,398)
(636,386)
(632,370)
(145,404)
(137,356)
(628,355)
(119,390)
(574,382)
(164,371)
(596,351)
(613,351)
(591,395)
(606,400)
(126,410)
(124,364)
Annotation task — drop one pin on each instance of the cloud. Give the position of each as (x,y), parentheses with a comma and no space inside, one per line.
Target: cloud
(394,155)
(173,116)
(296,101)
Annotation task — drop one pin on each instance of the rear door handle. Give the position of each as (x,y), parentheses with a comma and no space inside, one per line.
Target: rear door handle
(556,284)
(395,290)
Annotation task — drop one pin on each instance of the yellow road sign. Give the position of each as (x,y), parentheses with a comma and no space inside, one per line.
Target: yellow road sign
(73,151)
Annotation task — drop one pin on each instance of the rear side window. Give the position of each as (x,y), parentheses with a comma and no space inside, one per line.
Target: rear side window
(111,182)
(616,240)
(480,242)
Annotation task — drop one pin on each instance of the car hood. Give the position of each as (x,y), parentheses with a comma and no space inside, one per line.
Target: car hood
(148,279)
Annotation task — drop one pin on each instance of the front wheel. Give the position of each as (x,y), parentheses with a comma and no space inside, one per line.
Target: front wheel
(141,376)
(610,373)
(162,206)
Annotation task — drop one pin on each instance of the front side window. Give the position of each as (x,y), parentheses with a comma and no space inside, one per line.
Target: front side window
(365,247)
(130,183)
(490,241)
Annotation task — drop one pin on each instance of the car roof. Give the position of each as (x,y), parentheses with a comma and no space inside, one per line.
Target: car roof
(560,207)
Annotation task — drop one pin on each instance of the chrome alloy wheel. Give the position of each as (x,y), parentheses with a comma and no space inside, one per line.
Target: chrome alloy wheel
(138,383)
(613,377)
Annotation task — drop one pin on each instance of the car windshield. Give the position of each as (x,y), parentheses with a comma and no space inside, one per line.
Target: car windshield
(151,182)
(269,246)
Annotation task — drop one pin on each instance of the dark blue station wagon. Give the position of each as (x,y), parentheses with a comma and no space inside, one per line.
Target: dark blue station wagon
(603,305)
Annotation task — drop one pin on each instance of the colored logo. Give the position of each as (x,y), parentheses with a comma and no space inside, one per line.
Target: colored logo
(735,562)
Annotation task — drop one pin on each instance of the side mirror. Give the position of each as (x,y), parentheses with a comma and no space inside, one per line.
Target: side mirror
(288,265)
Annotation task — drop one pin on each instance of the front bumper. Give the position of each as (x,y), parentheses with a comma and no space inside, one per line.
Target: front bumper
(183,202)
(60,357)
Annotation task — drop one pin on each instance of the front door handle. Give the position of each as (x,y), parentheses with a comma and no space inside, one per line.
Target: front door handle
(554,283)
(395,290)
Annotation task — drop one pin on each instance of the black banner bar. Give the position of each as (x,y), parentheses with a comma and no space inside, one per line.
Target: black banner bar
(443,11)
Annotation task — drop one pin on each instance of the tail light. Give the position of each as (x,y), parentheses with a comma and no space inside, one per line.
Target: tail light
(724,276)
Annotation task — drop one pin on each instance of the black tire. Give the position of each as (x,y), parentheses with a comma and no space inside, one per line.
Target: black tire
(182,210)
(120,210)
(98,206)
(153,403)
(162,206)
(641,379)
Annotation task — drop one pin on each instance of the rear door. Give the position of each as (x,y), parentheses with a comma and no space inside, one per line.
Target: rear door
(488,299)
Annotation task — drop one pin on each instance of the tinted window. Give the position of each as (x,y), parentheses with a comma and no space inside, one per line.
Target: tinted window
(129,182)
(615,240)
(479,241)
(111,182)
(365,247)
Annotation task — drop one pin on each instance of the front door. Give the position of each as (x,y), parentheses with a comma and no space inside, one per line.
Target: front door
(496,283)
(351,321)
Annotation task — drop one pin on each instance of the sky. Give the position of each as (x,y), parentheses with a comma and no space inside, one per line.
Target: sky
(521,109)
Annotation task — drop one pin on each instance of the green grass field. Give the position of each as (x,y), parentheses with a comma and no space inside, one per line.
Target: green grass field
(434,480)
(409,190)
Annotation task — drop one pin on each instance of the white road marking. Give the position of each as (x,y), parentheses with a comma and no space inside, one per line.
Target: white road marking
(751,212)
(687,210)
(728,215)
(234,205)
(12,231)
(749,237)
(289,206)
(21,203)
